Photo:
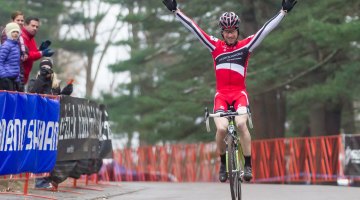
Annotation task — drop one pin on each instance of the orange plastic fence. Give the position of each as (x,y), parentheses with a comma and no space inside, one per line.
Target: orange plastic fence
(309,160)
(192,162)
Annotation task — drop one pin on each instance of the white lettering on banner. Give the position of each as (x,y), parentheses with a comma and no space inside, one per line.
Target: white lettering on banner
(70,149)
(84,122)
(2,133)
(352,155)
(49,137)
(18,134)
(106,132)
(30,135)
(68,128)
(68,123)
(9,137)
(89,125)
(80,121)
(35,135)
(41,133)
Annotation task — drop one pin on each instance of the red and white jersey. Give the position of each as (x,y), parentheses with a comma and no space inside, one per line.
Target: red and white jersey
(230,62)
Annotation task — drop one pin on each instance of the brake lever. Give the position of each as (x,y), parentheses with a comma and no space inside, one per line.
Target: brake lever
(206,117)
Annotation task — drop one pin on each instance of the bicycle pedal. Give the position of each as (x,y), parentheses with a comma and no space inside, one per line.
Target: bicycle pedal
(241,177)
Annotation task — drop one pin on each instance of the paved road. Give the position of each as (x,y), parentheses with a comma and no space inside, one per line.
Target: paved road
(199,191)
(218,191)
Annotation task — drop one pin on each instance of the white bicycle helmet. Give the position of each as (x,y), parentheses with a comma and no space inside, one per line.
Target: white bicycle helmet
(229,20)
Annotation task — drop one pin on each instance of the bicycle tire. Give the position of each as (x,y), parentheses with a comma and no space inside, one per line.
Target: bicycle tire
(234,177)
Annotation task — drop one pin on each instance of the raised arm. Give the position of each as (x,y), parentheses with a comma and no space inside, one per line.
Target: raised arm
(208,41)
(259,36)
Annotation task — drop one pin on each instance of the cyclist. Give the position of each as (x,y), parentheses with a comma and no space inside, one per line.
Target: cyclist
(230,58)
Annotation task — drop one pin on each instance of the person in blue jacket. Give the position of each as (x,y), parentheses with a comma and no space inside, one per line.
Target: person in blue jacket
(10,59)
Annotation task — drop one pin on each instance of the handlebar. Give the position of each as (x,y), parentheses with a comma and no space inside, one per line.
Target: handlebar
(226,114)
(213,115)
(223,114)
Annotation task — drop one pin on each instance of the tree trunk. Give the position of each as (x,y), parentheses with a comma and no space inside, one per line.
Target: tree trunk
(248,19)
(326,118)
(269,113)
(317,119)
(333,119)
(258,110)
(348,116)
(89,81)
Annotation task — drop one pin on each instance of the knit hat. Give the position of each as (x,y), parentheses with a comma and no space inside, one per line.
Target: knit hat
(11,27)
(46,62)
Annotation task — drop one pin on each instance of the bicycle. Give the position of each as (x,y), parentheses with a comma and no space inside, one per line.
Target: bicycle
(234,165)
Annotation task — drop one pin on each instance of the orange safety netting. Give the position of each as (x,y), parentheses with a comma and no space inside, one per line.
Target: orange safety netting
(310,160)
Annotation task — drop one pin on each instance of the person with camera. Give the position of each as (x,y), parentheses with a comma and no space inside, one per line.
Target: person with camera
(46,81)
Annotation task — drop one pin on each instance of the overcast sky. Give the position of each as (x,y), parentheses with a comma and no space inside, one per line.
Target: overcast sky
(114,54)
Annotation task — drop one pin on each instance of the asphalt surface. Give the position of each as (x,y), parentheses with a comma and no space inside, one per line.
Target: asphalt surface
(189,191)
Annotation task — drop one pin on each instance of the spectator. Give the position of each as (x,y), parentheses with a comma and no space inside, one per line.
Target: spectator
(10,58)
(18,17)
(28,33)
(46,81)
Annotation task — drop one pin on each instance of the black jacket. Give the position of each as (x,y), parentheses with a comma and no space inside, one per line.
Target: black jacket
(42,85)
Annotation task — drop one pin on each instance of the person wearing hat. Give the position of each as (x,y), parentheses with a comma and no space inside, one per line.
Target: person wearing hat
(46,81)
(10,59)
(18,17)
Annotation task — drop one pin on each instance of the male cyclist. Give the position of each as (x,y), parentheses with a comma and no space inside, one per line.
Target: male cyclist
(230,58)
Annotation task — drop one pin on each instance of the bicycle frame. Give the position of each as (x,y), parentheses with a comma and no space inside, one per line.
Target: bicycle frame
(232,133)
(234,168)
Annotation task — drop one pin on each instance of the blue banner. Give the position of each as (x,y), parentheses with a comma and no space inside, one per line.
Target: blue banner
(29,130)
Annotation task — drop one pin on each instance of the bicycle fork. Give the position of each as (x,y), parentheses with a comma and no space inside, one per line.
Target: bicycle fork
(237,160)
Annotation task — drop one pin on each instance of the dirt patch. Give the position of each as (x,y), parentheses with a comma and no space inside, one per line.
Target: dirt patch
(12,185)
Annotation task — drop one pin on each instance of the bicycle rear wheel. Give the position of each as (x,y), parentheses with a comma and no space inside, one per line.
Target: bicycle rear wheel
(234,172)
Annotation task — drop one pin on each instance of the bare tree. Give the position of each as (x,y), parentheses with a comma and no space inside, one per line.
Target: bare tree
(90,28)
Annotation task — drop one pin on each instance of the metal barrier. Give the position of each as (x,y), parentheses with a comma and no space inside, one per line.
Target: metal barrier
(85,182)
(25,178)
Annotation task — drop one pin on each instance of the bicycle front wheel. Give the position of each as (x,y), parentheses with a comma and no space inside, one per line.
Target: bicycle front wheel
(233,169)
